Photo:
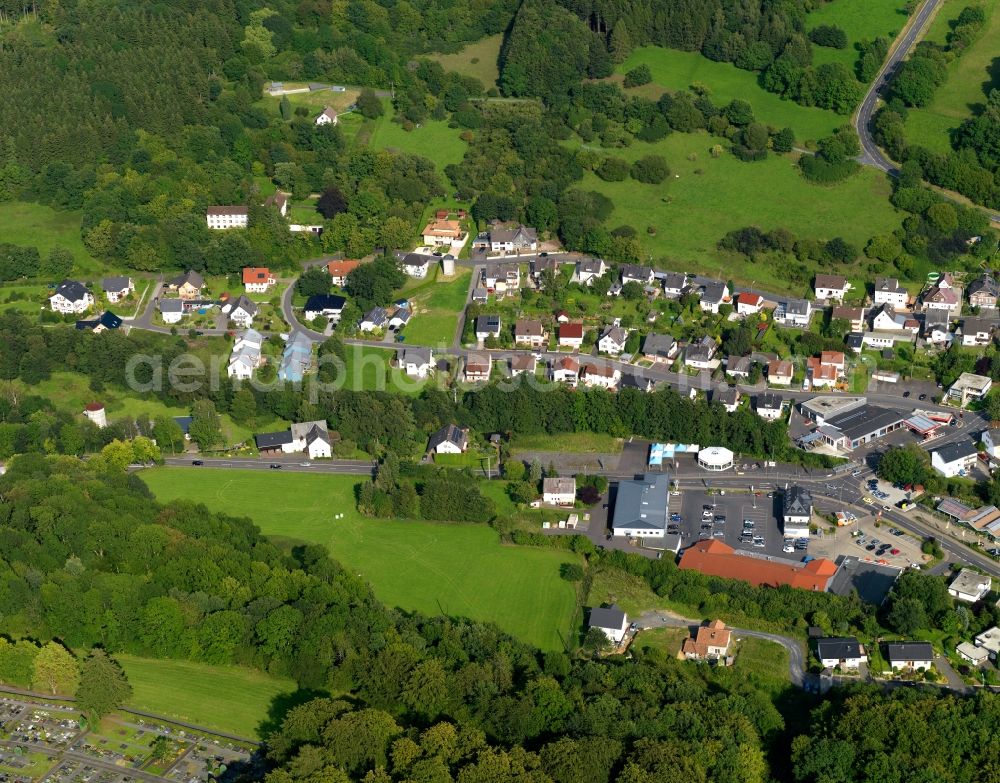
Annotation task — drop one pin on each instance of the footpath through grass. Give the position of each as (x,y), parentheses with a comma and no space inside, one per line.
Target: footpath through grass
(233,699)
(674,70)
(436,568)
(707,197)
(970,79)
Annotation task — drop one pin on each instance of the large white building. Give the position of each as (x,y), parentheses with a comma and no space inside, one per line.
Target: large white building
(71,297)
(222,218)
(641,507)
(246,356)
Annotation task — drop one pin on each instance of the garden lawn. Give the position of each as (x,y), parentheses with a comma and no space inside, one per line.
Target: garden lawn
(34,225)
(707,197)
(28,299)
(761,658)
(674,70)
(233,699)
(970,78)
(436,568)
(368,369)
(438,305)
(860,19)
(433,139)
(478,59)
(314,101)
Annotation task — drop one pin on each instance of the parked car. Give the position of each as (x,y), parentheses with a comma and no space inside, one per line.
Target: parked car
(922,397)
(197,462)
(275,466)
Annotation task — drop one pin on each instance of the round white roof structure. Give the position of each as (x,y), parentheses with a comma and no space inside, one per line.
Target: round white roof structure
(718,457)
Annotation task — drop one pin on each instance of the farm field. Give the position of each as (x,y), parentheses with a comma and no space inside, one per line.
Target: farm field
(433,139)
(674,70)
(708,197)
(35,225)
(234,699)
(436,568)
(477,59)
(970,78)
(860,19)
(438,304)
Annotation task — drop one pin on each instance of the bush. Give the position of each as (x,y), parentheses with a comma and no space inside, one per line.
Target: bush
(651,169)
(571,572)
(638,76)
(829,35)
(613,170)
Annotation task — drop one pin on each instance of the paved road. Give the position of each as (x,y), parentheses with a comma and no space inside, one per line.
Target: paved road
(291,463)
(796,658)
(871,155)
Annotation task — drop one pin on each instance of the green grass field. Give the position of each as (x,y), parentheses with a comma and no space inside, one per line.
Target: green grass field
(28,299)
(968,84)
(438,303)
(477,59)
(453,569)
(35,225)
(433,139)
(674,70)
(314,101)
(860,19)
(709,196)
(234,699)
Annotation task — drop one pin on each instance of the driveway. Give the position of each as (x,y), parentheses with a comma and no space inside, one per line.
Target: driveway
(661,618)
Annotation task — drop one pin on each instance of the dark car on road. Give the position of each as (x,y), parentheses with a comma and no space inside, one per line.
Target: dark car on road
(197,462)
(275,466)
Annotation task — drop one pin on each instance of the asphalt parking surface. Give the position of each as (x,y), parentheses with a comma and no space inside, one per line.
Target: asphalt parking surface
(735,508)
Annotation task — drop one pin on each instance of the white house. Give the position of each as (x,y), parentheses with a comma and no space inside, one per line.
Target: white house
(117,288)
(309,437)
(571,336)
(566,370)
(969,586)
(415,361)
(713,294)
(728,398)
(246,356)
(241,312)
(487,326)
(223,218)
(910,655)
(171,310)
(613,340)
(841,651)
(991,440)
(604,376)
(768,406)
(611,621)
(449,440)
(374,320)
(631,273)
(954,459)
(796,512)
(416,264)
(589,269)
(529,333)
(701,355)
(748,303)
(831,287)
(257,279)
(976,331)
(505,239)
(990,641)
(329,306)
(71,297)
(796,312)
(889,291)
(478,367)
(674,284)
(970,386)
(661,348)
(326,117)
(559,491)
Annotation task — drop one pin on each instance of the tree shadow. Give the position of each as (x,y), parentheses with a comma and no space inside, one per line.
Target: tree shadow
(281,704)
(993,77)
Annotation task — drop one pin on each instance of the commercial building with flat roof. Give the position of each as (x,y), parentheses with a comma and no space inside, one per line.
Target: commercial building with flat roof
(853,428)
(641,507)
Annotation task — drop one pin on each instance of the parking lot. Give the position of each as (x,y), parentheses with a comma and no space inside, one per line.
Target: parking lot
(712,515)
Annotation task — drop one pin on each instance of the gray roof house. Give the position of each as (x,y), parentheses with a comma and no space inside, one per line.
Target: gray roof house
(659,347)
(449,439)
(487,326)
